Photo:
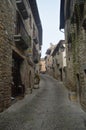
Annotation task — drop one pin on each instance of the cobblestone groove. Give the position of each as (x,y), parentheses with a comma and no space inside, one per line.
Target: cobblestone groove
(47,108)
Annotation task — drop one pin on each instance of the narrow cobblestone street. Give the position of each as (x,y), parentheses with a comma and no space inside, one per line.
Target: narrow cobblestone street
(47,108)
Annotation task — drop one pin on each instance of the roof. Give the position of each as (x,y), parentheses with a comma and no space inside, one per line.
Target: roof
(57,47)
(65,11)
(36,16)
(62,17)
(48,51)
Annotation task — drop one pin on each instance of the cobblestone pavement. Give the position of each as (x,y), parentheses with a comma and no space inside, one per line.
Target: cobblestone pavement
(47,108)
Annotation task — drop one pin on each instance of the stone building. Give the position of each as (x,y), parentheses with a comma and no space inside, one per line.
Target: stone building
(20,35)
(59,61)
(49,60)
(73,20)
(42,65)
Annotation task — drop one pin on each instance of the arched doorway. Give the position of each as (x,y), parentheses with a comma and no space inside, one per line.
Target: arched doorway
(17,86)
(78,88)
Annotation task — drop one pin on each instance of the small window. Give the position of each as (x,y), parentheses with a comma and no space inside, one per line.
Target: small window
(85,71)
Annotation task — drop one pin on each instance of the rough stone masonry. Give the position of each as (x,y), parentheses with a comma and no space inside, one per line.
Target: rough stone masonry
(6,39)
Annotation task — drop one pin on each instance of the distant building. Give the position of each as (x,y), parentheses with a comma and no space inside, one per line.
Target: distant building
(59,61)
(49,60)
(42,65)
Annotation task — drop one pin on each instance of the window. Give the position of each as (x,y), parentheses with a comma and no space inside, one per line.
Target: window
(85,71)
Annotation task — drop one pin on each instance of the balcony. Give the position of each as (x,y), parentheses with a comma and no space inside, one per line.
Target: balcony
(22,8)
(22,39)
(80,1)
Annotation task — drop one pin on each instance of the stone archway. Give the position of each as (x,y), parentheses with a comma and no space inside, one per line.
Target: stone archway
(16,88)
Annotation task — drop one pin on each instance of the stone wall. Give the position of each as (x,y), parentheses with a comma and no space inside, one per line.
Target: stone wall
(6,39)
(82,56)
(7,46)
(27,76)
(76,53)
